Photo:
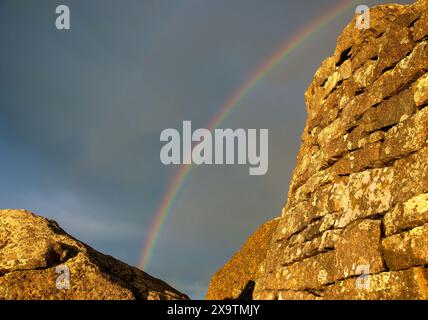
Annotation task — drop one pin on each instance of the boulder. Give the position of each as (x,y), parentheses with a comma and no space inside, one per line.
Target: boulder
(39,260)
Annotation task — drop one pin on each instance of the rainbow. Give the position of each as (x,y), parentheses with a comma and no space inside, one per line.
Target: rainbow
(264,69)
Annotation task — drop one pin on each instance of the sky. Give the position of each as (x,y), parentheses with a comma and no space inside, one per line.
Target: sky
(81,112)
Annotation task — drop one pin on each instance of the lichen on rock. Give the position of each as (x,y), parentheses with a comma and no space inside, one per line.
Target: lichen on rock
(358,195)
(32,248)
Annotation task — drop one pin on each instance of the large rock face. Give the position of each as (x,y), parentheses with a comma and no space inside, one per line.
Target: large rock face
(36,255)
(238,275)
(358,199)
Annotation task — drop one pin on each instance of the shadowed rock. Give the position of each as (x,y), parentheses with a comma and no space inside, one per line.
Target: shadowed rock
(235,280)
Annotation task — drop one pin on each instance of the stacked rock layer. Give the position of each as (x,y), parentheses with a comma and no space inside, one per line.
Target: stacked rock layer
(358,199)
(355,225)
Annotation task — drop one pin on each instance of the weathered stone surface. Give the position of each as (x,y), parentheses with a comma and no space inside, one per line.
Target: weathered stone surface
(389,112)
(406,249)
(296,295)
(413,213)
(401,285)
(408,136)
(268,295)
(297,218)
(310,273)
(359,245)
(358,195)
(410,176)
(31,247)
(243,267)
(314,229)
(370,193)
(420,91)
(301,250)
(420,30)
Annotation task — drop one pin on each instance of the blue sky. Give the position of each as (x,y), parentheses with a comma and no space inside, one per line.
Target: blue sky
(81,112)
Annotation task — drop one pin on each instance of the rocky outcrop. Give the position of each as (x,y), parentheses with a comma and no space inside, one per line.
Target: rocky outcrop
(39,260)
(358,199)
(236,278)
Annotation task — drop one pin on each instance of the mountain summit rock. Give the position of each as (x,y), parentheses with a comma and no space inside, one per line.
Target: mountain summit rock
(355,225)
(39,260)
